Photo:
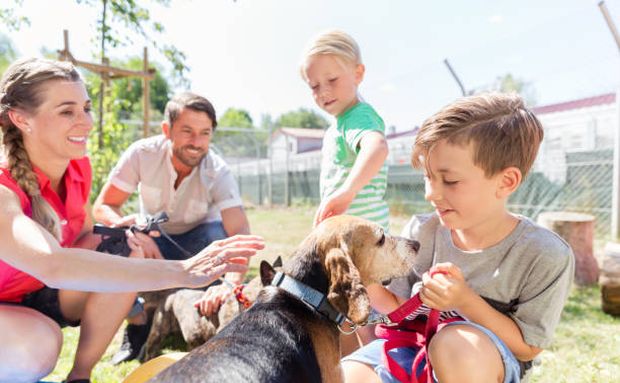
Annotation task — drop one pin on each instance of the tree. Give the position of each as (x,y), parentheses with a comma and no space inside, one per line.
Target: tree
(237,118)
(511,84)
(302,118)
(8,54)
(129,91)
(9,19)
(122,102)
(125,14)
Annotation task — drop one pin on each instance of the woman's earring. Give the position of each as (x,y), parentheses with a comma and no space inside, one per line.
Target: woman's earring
(28,130)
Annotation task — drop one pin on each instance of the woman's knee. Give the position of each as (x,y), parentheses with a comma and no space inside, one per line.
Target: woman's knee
(464,351)
(30,350)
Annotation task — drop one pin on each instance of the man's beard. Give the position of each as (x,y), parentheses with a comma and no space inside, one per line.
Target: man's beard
(190,161)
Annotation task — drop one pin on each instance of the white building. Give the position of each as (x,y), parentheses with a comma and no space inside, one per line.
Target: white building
(579,125)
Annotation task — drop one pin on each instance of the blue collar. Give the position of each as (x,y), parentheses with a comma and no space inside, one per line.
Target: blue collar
(314,298)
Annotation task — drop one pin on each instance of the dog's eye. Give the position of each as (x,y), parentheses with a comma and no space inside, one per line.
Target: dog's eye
(381,241)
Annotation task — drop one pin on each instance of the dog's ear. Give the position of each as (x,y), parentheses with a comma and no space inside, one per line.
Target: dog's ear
(266,273)
(277,262)
(346,292)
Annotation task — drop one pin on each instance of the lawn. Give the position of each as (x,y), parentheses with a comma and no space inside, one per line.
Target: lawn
(586,347)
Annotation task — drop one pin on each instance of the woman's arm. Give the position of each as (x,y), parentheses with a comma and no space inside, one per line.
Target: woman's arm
(27,246)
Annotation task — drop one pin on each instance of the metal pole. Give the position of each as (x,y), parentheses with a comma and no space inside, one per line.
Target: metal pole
(615,193)
(146,96)
(258,159)
(458,80)
(287,186)
(270,174)
(610,23)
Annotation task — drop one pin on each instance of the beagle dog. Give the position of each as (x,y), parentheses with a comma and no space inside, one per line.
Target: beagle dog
(290,333)
(174,315)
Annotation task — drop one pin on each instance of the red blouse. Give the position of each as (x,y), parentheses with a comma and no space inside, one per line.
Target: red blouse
(14,284)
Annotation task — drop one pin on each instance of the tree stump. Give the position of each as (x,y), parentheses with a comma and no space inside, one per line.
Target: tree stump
(610,279)
(578,230)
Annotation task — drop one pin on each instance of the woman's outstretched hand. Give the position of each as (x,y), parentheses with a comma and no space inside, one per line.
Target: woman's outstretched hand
(230,255)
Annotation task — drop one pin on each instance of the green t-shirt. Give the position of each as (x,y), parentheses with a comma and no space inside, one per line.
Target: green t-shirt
(340,149)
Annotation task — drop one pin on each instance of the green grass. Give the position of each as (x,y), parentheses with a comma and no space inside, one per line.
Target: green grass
(586,346)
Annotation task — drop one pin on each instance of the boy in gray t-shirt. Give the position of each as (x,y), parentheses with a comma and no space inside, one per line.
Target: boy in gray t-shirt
(508,277)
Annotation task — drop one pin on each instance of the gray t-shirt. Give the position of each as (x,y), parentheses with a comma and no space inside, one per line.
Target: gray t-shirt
(526,276)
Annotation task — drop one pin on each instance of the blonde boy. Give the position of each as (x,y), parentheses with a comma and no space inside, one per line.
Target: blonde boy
(353,170)
(508,276)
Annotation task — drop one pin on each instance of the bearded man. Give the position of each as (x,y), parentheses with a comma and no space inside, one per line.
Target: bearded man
(175,173)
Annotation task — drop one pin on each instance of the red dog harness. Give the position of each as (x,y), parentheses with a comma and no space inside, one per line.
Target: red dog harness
(238,291)
(411,334)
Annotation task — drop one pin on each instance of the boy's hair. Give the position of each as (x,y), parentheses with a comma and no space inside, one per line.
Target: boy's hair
(190,101)
(334,42)
(503,132)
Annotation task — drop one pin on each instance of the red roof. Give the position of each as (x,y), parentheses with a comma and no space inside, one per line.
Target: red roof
(411,132)
(301,132)
(603,99)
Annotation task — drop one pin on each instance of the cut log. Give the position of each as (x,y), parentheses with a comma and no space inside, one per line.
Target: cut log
(578,230)
(610,279)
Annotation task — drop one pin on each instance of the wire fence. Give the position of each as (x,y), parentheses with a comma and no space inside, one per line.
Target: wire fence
(578,181)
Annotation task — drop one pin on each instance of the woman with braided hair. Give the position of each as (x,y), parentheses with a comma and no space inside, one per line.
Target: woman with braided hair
(48,276)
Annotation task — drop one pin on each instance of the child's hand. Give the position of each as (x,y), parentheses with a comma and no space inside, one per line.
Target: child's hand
(446,289)
(335,204)
(212,299)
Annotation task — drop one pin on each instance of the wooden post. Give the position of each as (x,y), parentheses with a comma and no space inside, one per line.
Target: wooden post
(610,279)
(107,72)
(145,95)
(578,230)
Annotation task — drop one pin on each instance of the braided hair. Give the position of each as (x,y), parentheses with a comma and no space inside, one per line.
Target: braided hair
(20,88)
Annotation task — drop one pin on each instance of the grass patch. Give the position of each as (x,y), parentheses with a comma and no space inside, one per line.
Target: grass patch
(586,346)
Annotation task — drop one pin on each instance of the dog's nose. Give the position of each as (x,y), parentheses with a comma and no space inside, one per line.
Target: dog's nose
(415,245)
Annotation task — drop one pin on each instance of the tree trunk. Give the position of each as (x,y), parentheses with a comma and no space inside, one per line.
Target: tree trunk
(578,230)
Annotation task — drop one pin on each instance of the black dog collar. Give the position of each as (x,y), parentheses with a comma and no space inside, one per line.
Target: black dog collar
(314,298)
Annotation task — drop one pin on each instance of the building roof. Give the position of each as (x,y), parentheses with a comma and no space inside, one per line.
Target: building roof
(301,132)
(603,99)
(405,133)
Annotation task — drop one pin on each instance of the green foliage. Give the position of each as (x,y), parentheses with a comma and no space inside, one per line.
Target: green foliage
(118,16)
(114,138)
(302,118)
(8,54)
(122,101)
(128,90)
(10,19)
(237,118)
(511,84)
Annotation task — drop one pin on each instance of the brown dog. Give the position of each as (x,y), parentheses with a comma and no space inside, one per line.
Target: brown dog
(174,315)
(282,338)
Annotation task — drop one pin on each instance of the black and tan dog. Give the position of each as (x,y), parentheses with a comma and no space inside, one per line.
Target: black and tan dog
(282,338)
(175,316)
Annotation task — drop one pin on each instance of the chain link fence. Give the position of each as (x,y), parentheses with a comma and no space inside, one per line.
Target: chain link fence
(575,180)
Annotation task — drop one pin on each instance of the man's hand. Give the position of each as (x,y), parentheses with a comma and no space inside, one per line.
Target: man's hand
(212,300)
(126,221)
(336,204)
(446,289)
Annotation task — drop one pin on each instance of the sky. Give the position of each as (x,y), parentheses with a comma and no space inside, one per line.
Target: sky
(246,53)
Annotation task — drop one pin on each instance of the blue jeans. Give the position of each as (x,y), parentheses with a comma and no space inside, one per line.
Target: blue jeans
(372,355)
(192,241)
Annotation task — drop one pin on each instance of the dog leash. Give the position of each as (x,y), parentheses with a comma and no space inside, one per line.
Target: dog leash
(404,337)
